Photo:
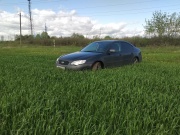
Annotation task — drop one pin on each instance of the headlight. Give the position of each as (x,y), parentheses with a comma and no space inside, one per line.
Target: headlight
(57,59)
(78,62)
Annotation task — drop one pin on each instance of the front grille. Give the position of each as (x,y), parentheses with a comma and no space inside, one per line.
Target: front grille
(62,62)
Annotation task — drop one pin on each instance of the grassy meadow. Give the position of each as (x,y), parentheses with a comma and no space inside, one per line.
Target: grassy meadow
(37,98)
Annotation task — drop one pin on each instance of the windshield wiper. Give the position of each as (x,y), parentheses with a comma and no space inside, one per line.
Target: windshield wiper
(88,51)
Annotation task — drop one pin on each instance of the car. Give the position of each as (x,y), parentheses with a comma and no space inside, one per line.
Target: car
(101,54)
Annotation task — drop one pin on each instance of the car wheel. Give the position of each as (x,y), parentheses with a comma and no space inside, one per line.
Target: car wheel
(135,60)
(96,66)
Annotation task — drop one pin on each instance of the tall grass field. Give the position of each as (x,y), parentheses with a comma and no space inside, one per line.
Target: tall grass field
(39,99)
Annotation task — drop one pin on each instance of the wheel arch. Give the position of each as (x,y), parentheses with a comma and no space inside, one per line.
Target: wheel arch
(98,61)
(136,57)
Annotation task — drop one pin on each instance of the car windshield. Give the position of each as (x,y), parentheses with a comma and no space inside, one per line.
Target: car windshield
(96,47)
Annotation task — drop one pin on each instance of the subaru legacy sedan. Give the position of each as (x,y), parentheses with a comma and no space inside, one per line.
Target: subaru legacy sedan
(101,54)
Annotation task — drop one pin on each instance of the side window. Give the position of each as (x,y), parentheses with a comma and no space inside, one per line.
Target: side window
(126,47)
(116,47)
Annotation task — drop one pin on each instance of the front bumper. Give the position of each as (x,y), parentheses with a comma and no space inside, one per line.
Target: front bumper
(84,66)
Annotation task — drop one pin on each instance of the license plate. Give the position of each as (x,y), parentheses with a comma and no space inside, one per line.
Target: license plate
(61,67)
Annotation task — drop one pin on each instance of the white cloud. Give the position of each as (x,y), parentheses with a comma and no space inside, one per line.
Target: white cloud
(62,23)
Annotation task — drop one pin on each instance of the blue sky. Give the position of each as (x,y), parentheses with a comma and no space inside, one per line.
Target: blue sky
(90,18)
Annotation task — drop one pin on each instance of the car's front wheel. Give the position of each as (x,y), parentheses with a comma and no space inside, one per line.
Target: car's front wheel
(135,60)
(97,66)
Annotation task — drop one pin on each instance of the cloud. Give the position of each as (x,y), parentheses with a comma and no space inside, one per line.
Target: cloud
(62,23)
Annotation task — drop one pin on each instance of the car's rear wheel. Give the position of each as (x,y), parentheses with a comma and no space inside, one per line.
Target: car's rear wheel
(97,66)
(135,60)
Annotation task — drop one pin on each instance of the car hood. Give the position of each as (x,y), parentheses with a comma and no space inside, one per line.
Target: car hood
(79,56)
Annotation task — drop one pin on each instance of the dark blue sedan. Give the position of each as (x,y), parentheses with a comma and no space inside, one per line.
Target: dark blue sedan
(101,54)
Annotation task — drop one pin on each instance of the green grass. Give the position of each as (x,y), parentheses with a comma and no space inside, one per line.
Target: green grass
(37,98)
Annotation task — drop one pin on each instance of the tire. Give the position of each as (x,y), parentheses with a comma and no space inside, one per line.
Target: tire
(97,66)
(135,60)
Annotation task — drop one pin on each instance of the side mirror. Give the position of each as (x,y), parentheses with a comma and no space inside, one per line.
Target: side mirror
(112,50)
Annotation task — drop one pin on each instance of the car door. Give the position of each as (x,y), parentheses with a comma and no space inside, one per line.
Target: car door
(113,57)
(126,52)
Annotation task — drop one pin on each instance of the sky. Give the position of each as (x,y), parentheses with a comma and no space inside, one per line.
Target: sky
(62,18)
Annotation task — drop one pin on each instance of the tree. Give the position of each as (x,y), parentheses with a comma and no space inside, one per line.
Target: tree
(107,37)
(44,35)
(76,35)
(38,36)
(174,25)
(163,24)
(156,26)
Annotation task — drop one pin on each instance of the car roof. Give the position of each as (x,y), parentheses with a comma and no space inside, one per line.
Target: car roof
(109,41)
